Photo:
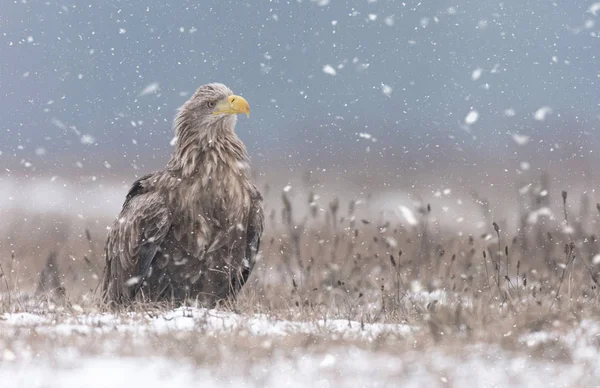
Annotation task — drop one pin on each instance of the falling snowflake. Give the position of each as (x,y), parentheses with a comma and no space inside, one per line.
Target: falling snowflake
(472,117)
(534,216)
(367,136)
(328,361)
(328,69)
(87,139)
(386,89)
(150,89)
(540,114)
(520,139)
(408,215)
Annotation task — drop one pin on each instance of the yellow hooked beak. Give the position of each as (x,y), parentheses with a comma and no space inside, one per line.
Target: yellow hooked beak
(232,105)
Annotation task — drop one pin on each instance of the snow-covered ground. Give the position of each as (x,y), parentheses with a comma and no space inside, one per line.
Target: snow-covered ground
(210,322)
(209,348)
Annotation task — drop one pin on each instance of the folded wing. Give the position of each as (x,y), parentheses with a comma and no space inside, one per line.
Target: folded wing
(254,233)
(134,240)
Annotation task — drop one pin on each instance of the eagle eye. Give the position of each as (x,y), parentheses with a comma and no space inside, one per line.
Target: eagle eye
(211,104)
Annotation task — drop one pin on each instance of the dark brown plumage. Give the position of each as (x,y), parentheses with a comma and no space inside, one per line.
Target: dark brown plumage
(192,230)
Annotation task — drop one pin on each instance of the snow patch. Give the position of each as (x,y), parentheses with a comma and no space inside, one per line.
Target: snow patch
(210,321)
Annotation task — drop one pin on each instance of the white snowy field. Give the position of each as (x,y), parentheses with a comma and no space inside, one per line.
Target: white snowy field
(210,348)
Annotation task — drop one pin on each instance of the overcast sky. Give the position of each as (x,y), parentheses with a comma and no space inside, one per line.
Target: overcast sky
(92,86)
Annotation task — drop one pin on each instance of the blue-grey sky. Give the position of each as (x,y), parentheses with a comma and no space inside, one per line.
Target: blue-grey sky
(87,86)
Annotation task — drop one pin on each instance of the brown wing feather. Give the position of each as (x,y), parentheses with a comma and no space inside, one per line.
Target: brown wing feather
(144,220)
(254,232)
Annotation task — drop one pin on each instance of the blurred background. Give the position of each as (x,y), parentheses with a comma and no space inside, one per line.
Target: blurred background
(405,102)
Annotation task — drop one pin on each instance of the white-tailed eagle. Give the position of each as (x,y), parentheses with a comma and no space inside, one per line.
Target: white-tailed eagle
(192,230)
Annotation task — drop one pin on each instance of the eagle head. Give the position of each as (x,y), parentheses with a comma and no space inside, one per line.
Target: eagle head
(208,119)
(214,102)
